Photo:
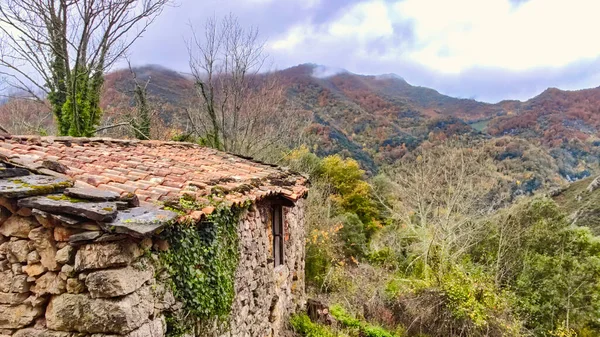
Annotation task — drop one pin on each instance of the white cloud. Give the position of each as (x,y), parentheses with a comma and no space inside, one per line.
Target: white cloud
(306,4)
(454,36)
(361,24)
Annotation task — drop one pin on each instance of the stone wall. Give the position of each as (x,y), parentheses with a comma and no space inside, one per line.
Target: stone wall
(60,278)
(267,295)
(55,282)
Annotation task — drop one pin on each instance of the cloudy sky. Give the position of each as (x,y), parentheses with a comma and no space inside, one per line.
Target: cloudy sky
(488,50)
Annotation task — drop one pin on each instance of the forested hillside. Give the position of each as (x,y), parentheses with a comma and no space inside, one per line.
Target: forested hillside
(379,119)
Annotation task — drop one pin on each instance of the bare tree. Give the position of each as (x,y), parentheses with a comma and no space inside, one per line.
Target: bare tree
(438,197)
(240,107)
(140,119)
(63,47)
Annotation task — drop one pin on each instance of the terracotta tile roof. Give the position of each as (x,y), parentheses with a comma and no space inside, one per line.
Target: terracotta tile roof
(153,170)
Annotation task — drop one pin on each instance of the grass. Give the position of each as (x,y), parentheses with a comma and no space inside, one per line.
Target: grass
(480,125)
(582,205)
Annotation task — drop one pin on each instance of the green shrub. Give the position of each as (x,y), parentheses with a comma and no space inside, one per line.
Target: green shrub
(302,324)
(366,329)
(318,264)
(473,296)
(353,235)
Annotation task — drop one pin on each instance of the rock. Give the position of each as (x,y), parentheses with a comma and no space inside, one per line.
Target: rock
(84,236)
(18,316)
(45,221)
(18,226)
(59,203)
(20,284)
(79,312)
(65,255)
(6,172)
(33,257)
(4,265)
(33,270)
(4,214)
(57,219)
(156,327)
(140,221)
(163,298)
(106,237)
(594,185)
(19,250)
(106,255)
(75,286)
(36,301)
(131,199)
(17,268)
(32,332)
(24,211)
(93,194)
(11,283)
(43,242)
(121,205)
(161,245)
(62,234)
(6,281)
(68,270)
(32,185)
(12,298)
(118,282)
(9,204)
(89,226)
(49,283)
(55,166)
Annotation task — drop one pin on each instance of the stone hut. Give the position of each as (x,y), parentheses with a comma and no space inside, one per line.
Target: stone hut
(80,226)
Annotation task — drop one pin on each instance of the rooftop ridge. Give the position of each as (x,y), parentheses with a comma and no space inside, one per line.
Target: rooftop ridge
(120,141)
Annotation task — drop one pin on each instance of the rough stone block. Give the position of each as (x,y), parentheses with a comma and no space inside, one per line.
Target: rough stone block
(118,282)
(32,185)
(71,312)
(19,250)
(9,204)
(49,283)
(141,221)
(33,257)
(11,283)
(18,316)
(43,242)
(106,255)
(156,327)
(32,332)
(58,203)
(85,236)
(65,255)
(62,234)
(12,298)
(35,269)
(18,226)
(75,286)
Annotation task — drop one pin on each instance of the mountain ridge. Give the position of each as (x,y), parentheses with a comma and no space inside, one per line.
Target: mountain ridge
(377,119)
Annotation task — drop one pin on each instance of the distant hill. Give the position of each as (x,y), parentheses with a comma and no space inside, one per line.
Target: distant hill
(378,119)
